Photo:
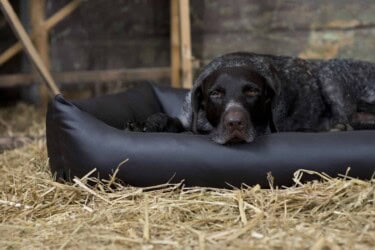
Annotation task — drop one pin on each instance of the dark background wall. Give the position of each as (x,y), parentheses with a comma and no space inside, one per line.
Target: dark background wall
(319,28)
(110,34)
(7,39)
(135,33)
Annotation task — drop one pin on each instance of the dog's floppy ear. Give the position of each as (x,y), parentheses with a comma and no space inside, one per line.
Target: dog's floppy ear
(196,102)
(273,82)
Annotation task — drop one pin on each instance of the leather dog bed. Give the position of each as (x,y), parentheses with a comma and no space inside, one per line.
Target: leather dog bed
(87,134)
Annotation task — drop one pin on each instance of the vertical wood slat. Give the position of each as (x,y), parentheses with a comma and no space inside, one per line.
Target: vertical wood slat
(20,32)
(187,79)
(37,18)
(175,44)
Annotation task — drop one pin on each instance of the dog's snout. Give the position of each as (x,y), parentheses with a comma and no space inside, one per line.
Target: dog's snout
(235,120)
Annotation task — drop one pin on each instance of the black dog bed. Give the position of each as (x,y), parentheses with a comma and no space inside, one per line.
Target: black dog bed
(87,134)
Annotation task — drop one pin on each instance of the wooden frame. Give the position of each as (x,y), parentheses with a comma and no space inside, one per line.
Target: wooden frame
(181,57)
(37,16)
(48,24)
(175,44)
(90,76)
(185,46)
(20,32)
(180,71)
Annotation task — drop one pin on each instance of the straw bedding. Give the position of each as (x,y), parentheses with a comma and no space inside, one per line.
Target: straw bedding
(36,212)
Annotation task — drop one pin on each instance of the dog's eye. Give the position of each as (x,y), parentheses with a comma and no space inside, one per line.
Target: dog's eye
(251,92)
(217,94)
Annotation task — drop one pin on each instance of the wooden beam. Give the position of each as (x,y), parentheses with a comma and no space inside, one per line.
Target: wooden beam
(187,79)
(27,44)
(114,75)
(10,53)
(62,14)
(49,24)
(15,80)
(37,16)
(74,77)
(175,45)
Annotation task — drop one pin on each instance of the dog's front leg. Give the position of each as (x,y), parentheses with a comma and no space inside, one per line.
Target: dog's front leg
(339,103)
(363,120)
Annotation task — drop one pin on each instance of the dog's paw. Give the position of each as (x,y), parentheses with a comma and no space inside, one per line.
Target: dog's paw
(341,127)
(135,126)
(156,123)
(161,122)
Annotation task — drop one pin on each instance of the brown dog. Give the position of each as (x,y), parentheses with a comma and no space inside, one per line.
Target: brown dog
(236,103)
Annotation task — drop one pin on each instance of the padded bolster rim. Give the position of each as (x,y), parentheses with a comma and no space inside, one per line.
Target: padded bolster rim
(77,142)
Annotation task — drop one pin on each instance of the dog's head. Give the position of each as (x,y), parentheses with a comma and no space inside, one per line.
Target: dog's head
(237,102)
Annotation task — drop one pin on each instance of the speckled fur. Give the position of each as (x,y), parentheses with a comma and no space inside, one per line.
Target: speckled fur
(313,95)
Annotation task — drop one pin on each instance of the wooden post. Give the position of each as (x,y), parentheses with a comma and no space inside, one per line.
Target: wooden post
(37,16)
(175,45)
(20,32)
(50,23)
(187,79)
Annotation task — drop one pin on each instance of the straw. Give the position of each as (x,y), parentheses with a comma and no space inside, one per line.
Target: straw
(39,213)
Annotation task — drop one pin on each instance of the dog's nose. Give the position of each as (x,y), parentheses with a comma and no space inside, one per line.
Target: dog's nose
(235,120)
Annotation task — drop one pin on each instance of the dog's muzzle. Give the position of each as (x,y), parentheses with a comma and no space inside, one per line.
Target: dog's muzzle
(235,125)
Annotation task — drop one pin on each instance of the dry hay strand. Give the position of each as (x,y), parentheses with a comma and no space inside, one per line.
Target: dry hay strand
(36,212)
(20,125)
(39,213)
(21,120)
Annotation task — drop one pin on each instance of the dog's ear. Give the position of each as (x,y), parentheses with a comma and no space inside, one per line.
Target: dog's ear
(196,103)
(273,81)
(274,84)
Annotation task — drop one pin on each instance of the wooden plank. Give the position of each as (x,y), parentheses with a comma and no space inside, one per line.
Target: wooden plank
(15,80)
(20,32)
(49,24)
(62,14)
(187,79)
(75,77)
(175,45)
(10,53)
(113,75)
(37,16)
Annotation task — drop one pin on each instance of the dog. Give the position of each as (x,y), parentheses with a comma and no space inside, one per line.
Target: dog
(231,112)
(240,96)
